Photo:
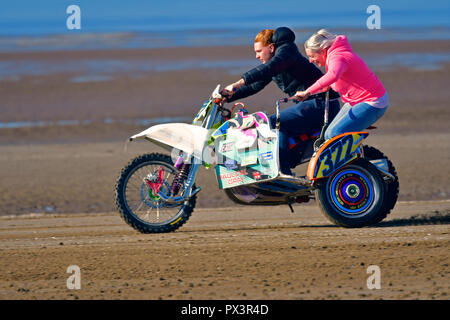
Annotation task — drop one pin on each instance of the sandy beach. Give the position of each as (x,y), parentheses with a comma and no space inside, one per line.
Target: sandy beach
(228,254)
(57,186)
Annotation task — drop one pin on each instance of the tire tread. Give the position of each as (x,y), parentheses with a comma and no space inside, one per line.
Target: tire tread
(130,218)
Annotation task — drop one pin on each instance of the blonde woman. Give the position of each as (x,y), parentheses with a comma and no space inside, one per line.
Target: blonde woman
(364,95)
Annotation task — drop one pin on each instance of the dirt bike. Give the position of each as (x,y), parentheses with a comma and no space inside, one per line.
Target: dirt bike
(355,185)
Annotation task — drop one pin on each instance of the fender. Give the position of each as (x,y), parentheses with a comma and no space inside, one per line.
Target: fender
(334,154)
(185,137)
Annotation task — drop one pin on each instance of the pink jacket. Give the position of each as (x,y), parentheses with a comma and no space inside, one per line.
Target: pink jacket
(348,74)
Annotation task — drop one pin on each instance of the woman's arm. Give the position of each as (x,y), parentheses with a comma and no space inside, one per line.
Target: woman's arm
(336,67)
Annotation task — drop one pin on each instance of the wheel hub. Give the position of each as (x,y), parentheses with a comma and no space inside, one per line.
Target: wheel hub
(352,191)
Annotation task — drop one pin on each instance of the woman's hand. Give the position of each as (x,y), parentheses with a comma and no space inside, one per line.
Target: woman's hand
(301,95)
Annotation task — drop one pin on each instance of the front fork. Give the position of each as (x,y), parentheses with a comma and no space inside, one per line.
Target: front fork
(188,171)
(185,179)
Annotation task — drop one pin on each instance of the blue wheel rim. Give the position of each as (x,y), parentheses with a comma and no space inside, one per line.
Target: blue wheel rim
(351,192)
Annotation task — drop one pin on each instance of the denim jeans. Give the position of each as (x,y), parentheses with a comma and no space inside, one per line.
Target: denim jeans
(355,118)
(303,118)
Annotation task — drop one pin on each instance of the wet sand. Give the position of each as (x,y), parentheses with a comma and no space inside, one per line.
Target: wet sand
(151,94)
(81,176)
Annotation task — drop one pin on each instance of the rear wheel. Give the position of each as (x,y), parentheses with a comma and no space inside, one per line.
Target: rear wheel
(353,196)
(140,206)
(392,187)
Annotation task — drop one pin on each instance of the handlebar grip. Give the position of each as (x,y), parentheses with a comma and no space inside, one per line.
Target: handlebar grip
(224,95)
(290,99)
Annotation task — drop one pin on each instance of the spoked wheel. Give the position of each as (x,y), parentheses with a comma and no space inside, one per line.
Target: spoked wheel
(353,196)
(137,195)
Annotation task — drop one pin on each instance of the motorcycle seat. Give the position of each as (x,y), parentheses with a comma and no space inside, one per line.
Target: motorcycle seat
(294,141)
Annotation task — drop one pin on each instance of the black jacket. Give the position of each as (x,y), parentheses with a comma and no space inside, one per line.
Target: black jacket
(290,70)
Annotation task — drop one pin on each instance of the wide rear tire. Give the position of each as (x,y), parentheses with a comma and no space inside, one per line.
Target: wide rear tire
(392,186)
(353,196)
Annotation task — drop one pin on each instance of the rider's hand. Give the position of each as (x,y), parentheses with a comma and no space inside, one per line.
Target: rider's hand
(301,95)
(225,95)
(229,90)
(232,88)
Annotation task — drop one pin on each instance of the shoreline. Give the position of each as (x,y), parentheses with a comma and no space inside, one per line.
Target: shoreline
(201,37)
(129,85)
(215,52)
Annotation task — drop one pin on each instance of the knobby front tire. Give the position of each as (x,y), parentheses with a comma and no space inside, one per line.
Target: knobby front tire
(139,207)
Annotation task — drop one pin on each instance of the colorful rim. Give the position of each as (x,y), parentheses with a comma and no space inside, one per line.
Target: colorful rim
(152,200)
(352,192)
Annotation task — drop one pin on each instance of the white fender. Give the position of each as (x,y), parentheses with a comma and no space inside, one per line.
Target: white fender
(186,137)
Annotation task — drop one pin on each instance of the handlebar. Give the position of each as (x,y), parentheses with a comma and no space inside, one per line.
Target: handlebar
(224,95)
(285,100)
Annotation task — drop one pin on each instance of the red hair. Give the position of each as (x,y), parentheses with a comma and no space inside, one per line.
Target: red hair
(265,36)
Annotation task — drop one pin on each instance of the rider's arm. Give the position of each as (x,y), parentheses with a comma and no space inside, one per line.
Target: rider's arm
(336,67)
(248,90)
(282,61)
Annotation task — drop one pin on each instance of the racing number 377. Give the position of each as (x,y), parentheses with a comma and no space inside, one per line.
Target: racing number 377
(338,154)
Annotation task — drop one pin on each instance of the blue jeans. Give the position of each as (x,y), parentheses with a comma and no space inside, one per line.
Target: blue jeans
(303,118)
(355,118)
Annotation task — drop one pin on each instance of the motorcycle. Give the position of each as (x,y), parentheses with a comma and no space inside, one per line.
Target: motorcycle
(355,185)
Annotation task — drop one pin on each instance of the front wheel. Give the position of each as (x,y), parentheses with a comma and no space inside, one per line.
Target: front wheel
(139,204)
(353,196)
